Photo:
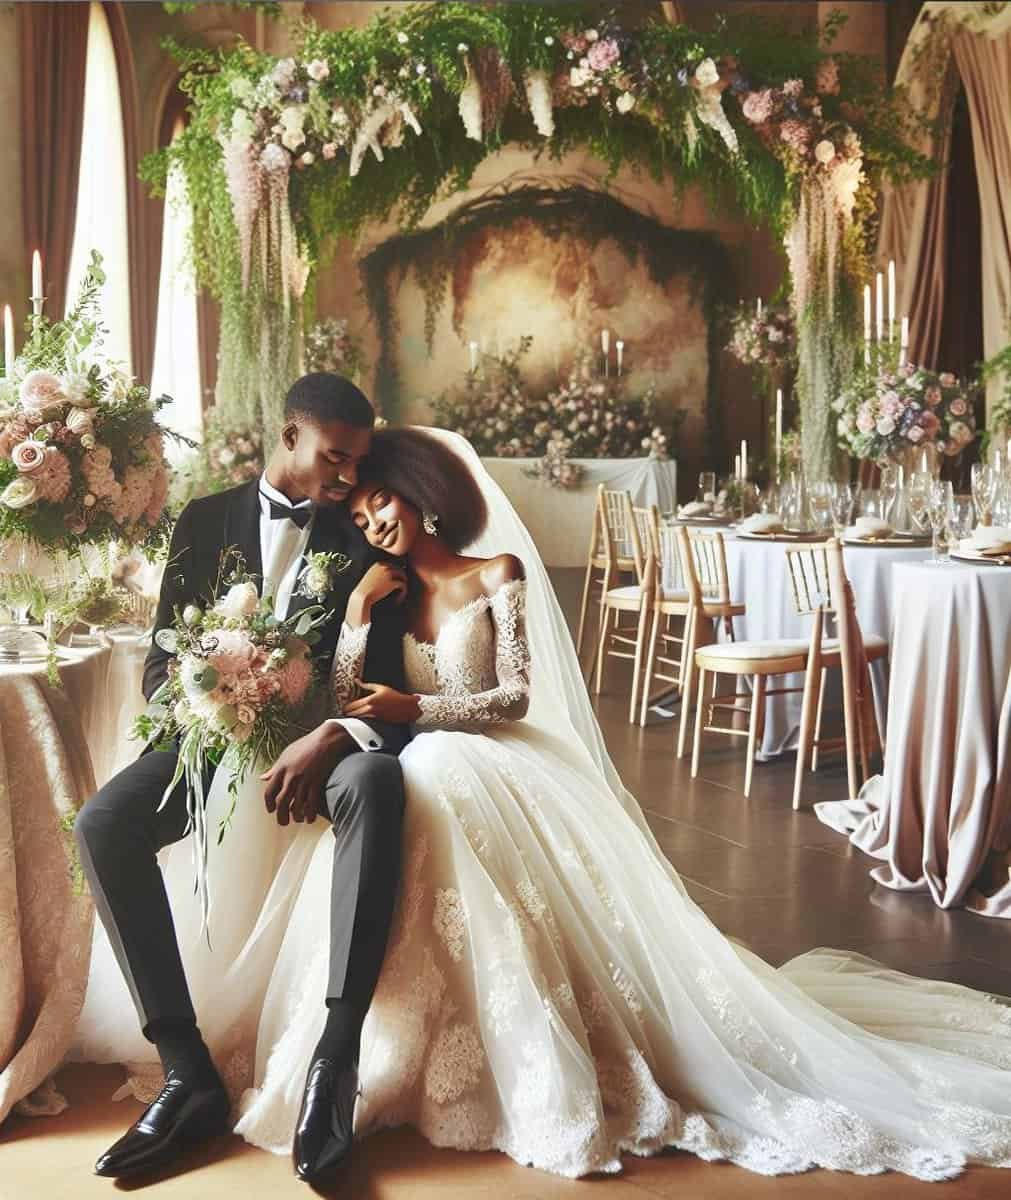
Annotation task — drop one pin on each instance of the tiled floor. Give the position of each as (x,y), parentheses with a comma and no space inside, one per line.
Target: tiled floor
(775,878)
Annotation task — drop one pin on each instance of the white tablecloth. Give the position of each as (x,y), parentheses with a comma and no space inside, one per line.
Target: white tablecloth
(759,578)
(560,520)
(939,817)
(55,745)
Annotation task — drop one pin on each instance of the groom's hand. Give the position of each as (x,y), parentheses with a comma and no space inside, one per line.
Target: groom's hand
(294,785)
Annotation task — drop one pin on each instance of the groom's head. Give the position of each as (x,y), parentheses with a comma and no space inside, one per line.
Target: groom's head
(327,432)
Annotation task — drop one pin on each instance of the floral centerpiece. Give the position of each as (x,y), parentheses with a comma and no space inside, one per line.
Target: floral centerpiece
(584,416)
(766,339)
(888,411)
(331,346)
(82,457)
(239,689)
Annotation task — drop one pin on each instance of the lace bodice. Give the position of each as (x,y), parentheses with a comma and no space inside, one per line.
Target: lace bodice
(475,673)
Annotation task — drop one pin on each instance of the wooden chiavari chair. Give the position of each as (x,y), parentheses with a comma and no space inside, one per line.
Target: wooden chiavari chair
(666,650)
(608,503)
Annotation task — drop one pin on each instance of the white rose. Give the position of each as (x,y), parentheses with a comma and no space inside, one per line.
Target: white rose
(706,73)
(317,580)
(592,35)
(308,158)
(80,421)
(318,69)
(226,456)
(885,426)
(824,152)
(578,77)
(19,493)
(402,38)
(625,102)
(191,614)
(240,601)
(88,441)
(246,714)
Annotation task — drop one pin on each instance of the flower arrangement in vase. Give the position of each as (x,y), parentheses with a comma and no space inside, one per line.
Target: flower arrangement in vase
(82,457)
(766,338)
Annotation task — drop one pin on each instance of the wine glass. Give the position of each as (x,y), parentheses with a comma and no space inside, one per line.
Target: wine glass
(820,499)
(891,485)
(842,508)
(869,502)
(963,516)
(918,498)
(940,501)
(984,486)
(707,486)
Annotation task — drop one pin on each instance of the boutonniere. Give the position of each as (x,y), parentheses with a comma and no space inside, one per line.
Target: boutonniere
(316,579)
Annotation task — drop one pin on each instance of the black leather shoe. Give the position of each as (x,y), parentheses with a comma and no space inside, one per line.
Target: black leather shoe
(183,1113)
(325,1128)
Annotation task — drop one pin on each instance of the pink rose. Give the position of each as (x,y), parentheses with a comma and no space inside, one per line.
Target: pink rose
(947,379)
(958,407)
(933,396)
(757,106)
(28,456)
(603,54)
(233,651)
(930,423)
(914,433)
(41,390)
(294,679)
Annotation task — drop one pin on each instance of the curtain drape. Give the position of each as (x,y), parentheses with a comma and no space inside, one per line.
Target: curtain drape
(52,51)
(985,66)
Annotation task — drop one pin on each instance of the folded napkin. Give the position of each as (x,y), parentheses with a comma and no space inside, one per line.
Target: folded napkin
(989,540)
(762,523)
(697,508)
(870,529)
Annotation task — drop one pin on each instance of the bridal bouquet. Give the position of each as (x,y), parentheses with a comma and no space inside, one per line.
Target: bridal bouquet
(239,690)
(886,412)
(81,451)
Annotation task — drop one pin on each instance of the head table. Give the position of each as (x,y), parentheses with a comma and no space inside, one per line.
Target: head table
(759,578)
(939,816)
(55,744)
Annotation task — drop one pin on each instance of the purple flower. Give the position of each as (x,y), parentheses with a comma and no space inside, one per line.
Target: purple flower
(683,76)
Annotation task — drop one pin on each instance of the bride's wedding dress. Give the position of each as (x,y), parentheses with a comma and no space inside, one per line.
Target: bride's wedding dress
(550,989)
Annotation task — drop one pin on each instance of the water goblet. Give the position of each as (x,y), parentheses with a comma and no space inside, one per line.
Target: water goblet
(891,485)
(918,498)
(820,500)
(869,502)
(984,486)
(842,508)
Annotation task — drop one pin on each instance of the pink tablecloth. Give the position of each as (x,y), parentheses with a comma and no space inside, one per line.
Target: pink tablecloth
(939,817)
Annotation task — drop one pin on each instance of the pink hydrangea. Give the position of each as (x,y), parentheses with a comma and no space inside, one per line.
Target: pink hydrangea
(294,679)
(159,494)
(793,88)
(796,134)
(757,106)
(52,480)
(603,54)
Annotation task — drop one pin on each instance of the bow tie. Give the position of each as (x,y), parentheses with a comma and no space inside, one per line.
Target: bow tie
(282,512)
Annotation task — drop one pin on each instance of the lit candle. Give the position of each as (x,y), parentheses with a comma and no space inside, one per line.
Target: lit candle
(758,308)
(891,300)
(879,300)
(9,351)
(605,345)
(903,341)
(473,347)
(744,459)
(737,466)
(779,429)
(619,345)
(867,323)
(37,292)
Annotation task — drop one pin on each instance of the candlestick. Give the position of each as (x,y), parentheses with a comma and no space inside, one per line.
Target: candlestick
(38,296)
(779,429)
(619,345)
(473,347)
(744,459)
(879,302)
(903,341)
(9,351)
(891,300)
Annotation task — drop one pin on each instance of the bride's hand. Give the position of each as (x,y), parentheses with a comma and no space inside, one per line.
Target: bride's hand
(384,704)
(379,581)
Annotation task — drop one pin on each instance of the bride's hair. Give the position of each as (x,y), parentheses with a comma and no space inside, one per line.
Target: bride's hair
(431,477)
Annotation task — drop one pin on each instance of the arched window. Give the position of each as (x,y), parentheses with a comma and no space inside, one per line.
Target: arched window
(101,221)
(176,349)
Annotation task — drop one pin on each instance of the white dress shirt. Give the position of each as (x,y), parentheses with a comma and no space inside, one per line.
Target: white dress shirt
(282,550)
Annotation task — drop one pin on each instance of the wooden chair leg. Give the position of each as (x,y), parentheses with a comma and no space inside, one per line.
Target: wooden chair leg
(605,626)
(817,723)
(605,585)
(757,704)
(650,663)
(808,721)
(700,720)
(587,588)
(640,646)
(689,676)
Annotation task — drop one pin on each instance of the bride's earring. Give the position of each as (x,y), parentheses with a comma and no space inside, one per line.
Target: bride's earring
(430,523)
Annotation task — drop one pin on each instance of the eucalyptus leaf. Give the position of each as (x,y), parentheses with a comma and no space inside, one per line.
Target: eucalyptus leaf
(167,640)
(303,625)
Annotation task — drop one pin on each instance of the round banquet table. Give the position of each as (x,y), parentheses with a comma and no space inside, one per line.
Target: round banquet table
(939,816)
(55,744)
(759,578)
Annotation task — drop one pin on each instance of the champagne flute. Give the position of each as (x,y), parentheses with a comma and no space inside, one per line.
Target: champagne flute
(984,486)
(842,508)
(918,498)
(940,501)
(891,485)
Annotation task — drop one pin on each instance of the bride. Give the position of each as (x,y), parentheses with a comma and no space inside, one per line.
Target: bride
(550,989)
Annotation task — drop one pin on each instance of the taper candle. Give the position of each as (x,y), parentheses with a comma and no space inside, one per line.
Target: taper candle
(903,341)
(891,300)
(879,304)
(473,347)
(9,351)
(779,429)
(867,323)
(37,292)
(744,459)
(758,307)
(737,466)
(619,345)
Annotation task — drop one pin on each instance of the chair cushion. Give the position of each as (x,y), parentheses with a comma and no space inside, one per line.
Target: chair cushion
(632,592)
(785,648)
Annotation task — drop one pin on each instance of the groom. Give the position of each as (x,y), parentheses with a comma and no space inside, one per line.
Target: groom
(339,768)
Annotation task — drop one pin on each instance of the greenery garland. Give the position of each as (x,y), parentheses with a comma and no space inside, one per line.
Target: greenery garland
(283,157)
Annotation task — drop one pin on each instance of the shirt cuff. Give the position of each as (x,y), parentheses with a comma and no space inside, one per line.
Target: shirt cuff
(363,733)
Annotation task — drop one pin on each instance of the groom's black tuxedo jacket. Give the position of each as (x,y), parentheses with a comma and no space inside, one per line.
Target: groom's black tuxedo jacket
(212,524)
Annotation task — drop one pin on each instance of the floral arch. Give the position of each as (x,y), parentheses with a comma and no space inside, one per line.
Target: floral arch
(284,156)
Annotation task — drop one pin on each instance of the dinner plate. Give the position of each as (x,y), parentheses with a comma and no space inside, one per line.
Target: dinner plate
(989,560)
(783,535)
(892,540)
(699,520)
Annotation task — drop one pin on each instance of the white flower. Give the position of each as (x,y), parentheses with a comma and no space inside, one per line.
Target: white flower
(402,38)
(421,68)
(462,47)
(625,102)
(470,107)
(317,580)
(239,601)
(19,493)
(885,426)
(274,157)
(242,125)
(75,388)
(308,158)
(79,421)
(706,73)
(404,73)
(192,613)
(330,150)
(246,714)
(549,40)
(41,390)
(242,90)
(88,441)
(379,90)
(592,35)
(182,713)
(824,152)
(89,500)
(226,456)
(538,89)
(318,69)
(340,118)
(578,77)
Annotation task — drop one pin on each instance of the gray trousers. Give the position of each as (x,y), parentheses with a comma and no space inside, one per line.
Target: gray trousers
(119,832)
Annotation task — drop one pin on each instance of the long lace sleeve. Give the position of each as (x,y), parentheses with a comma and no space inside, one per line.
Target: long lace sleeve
(508,699)
(347,663)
